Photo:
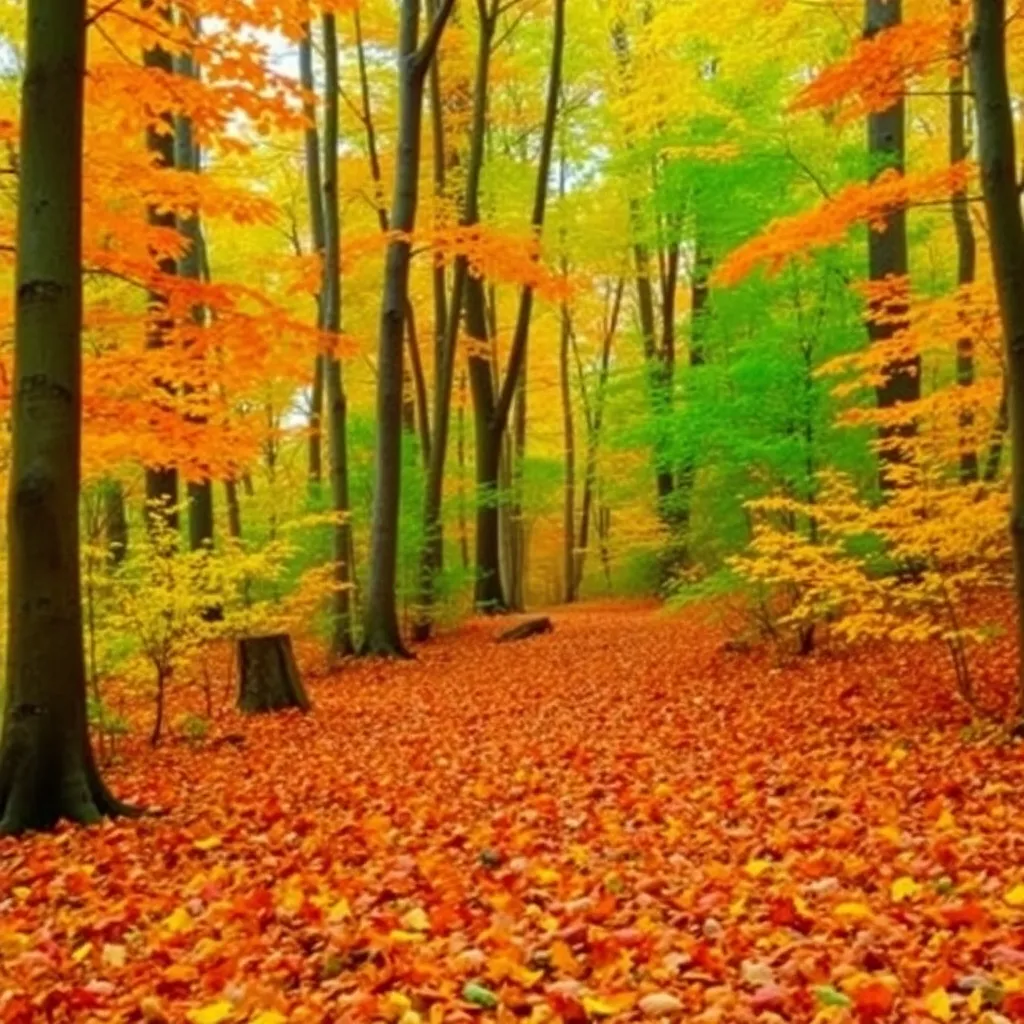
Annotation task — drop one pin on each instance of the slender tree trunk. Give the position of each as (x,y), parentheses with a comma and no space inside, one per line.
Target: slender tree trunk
(888,251)
(595,424)
(334,391)
(451,315)
(569,434)
(234,508)
(187,158)
(382,635)
(492,412)
(461,455)
(47,768)
(966,246)
(998,161)
(161,480)
(314,191)
(115,521)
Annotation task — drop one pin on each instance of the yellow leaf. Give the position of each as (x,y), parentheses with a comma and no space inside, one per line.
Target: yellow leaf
(546,876)
(82,952)
(1015,897)
(562,958)
(214,1013)
(853,911)
(975,1001)
(608,1006)
(339,912)
(904,888)
(210,843)
(416,920)
(406,937)
(937,1005)
(269,1017)
(179,921)
(756,868)
(946,822)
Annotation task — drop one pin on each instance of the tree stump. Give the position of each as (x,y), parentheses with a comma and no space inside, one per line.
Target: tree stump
(268,678)
(527,628)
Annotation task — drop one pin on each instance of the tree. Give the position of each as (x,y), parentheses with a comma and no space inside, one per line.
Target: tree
(381,634)
(998,160)
(47,769)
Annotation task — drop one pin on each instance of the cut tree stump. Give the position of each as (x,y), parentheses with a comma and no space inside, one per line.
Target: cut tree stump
(527,628)
(268,678)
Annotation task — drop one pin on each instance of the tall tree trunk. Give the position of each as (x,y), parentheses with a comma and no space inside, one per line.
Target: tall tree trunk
(115,520)
(382,635)
(161,480)
(887,250)
(187,158)
(234,508)
(451,315)
(47,769)
(314,191)
(492,412)
(461,456)
(998,161)
(569,434)
(966,246)
(334,391)
(595,422)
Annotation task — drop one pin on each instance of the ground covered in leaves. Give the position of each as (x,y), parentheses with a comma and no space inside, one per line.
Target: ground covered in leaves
(621,820)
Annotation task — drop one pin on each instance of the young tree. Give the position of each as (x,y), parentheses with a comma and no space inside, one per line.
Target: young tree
(381,634)
(998,159)
(47,769)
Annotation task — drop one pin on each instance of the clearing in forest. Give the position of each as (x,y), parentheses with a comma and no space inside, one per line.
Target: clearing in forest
(619,820)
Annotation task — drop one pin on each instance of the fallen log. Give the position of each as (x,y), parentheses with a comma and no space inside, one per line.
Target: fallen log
(527,628)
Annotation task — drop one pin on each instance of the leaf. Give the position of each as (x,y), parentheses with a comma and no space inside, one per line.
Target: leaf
(210,843)
(416,920)
(853,911)
(562,958)
(179,921)
(756,868)
(213,1013)
(1015,897)
(938,1006)
(609,1006)
(828,996)
(480,996)
(904,889)
(872,1000)
(269,1017)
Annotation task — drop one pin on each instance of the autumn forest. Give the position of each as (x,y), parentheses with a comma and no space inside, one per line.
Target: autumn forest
(515,511)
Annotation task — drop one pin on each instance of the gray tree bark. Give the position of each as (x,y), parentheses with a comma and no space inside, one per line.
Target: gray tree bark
(47,769)
(382,636)
(998,160)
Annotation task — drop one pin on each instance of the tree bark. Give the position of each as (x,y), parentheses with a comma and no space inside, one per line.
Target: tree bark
(161,480)
(382,636)
(115,521)
(268,678)
(888,251)
(998,162)
(233,507)
(966,245)
(569,434)
(187,158)
(314,191)
(47,769)
(342,643)
(491,405)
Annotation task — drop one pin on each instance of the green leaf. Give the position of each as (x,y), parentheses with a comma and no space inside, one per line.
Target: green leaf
(480,996)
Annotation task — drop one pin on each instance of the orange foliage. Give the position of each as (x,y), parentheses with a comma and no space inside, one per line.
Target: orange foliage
(618,821)
(827,224)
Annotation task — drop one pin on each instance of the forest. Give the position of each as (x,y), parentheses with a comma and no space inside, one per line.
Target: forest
(514,511)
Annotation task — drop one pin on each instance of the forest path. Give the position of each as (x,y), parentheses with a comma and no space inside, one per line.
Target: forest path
(615,811)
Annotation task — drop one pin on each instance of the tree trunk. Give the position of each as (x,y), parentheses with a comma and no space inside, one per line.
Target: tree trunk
(233,507)
(115,521)
(966,246)
(569,505)
(888,252)
(47,769)
(998,162)
(492,410)
(381,634)
(161,480)
(337,406)
(314,191)
(268,678)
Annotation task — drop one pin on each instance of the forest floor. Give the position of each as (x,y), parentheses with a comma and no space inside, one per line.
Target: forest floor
(620,820)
